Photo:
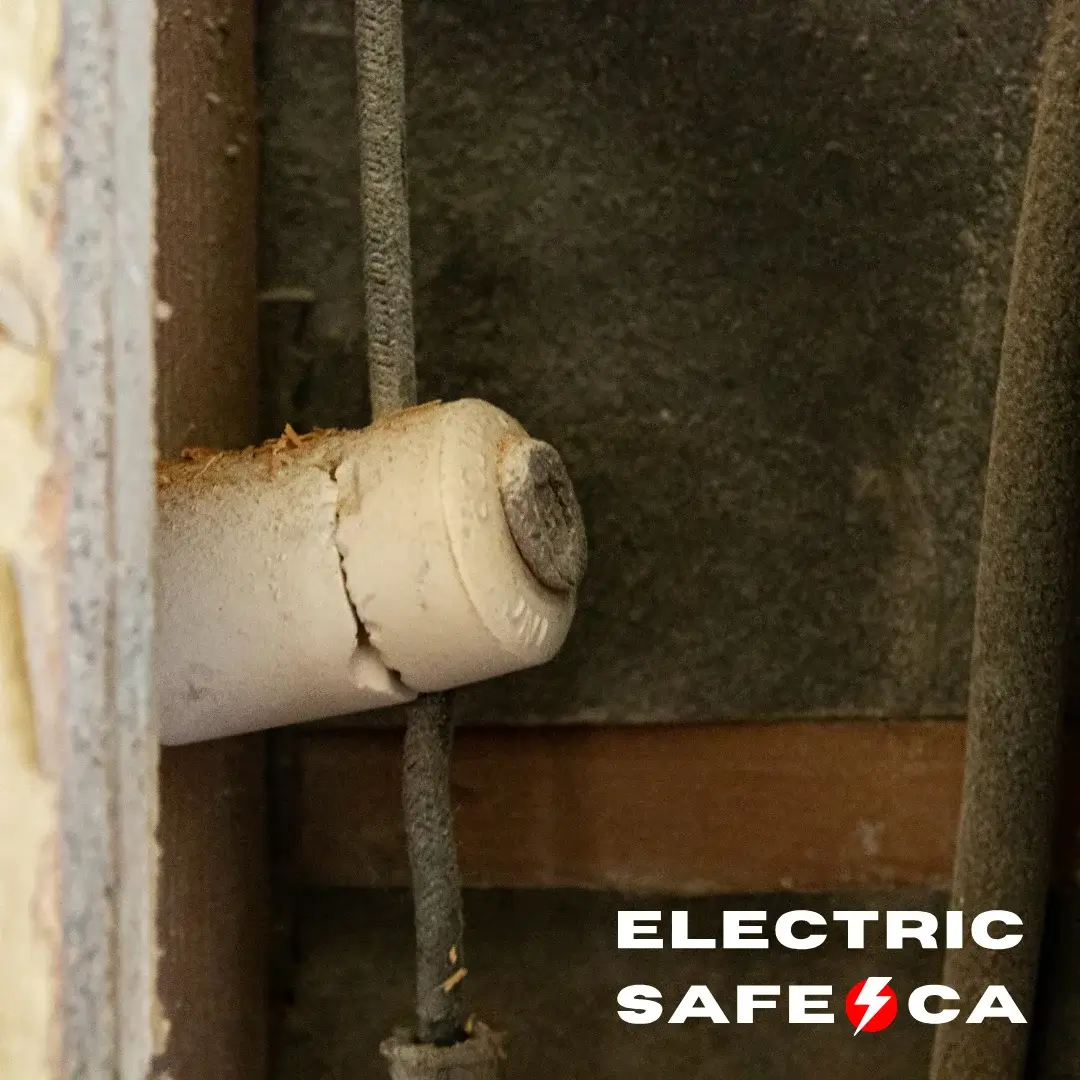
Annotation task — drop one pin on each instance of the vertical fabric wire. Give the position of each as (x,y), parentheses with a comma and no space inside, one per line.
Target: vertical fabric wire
(391,358)
(391,351)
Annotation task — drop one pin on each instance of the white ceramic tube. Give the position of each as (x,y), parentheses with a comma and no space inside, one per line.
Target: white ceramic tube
(343,571)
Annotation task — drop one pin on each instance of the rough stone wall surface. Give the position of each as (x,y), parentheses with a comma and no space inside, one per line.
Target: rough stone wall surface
(744,263)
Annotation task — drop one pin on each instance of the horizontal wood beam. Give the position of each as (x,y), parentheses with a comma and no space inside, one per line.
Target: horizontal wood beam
(791,805)
(785,805)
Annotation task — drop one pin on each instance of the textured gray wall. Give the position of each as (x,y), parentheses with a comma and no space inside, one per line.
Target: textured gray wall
(744,263)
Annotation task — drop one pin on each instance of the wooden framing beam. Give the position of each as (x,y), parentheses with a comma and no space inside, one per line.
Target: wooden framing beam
(214,888)
(797,805)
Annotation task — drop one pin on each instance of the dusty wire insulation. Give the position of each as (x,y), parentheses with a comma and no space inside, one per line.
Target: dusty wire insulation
(1026,561)
(436,879)
(380,64)
(391,358)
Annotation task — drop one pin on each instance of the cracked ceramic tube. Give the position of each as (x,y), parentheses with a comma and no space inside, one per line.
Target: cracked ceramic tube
(339,572)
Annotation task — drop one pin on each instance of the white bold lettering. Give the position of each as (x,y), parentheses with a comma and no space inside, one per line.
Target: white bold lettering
(633,935)
(640,1004)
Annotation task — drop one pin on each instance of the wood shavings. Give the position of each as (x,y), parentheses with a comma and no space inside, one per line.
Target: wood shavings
(275,450)
(449,983)
(213,461)
(287,440)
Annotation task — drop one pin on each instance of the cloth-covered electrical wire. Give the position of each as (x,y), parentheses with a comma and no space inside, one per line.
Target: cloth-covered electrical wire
(391,350)
(436,880)
(1025,577)
(392,378)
